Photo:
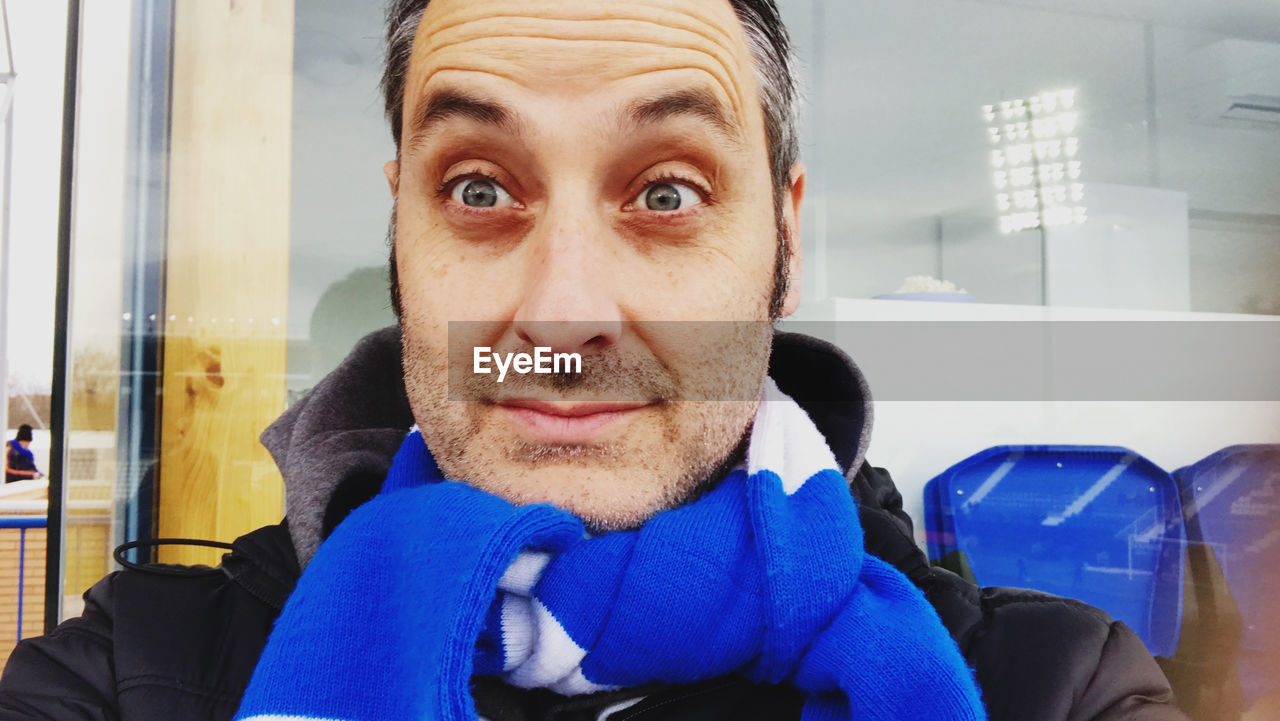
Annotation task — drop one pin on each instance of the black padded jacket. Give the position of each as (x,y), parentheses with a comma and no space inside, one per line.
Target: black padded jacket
(177,644)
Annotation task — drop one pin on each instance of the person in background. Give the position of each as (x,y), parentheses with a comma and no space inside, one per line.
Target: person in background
(19,461)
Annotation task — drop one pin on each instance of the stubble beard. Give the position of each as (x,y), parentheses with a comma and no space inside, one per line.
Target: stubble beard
(688,446)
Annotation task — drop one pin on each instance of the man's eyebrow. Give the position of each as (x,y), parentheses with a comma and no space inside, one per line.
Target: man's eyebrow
(700,103)
(443,104)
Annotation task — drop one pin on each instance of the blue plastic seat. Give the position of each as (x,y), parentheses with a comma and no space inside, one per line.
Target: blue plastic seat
(1232,501)
(1096,523)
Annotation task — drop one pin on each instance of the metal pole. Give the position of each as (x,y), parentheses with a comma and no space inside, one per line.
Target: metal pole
(818,173)
(9,78)
(61,328)
(8,43)
(22,574)
(4,253)
(1152,120)
(144,252)
(1044,261)
(1044,229)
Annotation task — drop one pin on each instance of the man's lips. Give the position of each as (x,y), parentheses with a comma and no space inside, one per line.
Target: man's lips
(567,421)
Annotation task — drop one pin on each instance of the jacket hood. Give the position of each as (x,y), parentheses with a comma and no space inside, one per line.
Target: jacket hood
(335,445)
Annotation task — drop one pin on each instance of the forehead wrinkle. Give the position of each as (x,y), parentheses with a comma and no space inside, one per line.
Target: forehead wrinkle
(571,30)
(728,126)
(468,23)
(577,29)
(487,62)
(671,14)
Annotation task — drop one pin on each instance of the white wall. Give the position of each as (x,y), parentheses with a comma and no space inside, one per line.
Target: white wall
(894,139)
(1133,252)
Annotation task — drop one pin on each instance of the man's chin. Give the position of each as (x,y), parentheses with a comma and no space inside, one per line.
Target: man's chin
(605,500)
(652,459)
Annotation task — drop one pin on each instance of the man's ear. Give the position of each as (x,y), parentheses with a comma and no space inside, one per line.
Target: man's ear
(792,201)
(392,171)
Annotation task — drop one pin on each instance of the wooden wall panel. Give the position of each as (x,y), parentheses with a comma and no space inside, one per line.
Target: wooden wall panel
(227,270)
(86,555)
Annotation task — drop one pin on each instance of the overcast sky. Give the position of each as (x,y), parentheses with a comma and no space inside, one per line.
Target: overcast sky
(38,32)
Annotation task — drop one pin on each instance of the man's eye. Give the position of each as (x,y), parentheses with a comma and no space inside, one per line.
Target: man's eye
(481,193)
(667,197)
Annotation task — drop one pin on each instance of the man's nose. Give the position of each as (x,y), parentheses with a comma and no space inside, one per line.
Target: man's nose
(570,300)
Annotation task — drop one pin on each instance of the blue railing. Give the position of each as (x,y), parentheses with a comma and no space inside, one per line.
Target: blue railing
(22,523)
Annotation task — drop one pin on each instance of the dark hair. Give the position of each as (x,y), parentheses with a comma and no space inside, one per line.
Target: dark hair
(776,75)
(24,433)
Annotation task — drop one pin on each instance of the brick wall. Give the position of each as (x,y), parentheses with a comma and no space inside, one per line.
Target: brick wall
(32,587)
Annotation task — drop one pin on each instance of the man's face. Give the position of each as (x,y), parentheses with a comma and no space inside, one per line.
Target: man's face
(570,172)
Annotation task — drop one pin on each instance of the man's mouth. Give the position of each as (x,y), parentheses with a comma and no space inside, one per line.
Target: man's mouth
(568,421)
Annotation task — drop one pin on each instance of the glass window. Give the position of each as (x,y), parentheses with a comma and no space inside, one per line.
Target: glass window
(180,281)
(1170,136)
(31,70)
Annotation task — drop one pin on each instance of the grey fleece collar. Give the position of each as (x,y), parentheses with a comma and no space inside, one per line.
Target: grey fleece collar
(334,446)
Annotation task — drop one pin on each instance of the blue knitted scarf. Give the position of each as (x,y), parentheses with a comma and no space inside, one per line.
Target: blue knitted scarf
(763,576)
